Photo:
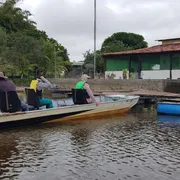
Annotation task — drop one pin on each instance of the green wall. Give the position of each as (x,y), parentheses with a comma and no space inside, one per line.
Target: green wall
(165,62)
(117,64)
(149,62)
(162,60)
(176,61)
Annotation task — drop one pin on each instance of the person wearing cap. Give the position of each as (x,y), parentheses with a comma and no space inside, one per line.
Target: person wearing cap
(7,85)
(38,86)
(84,85)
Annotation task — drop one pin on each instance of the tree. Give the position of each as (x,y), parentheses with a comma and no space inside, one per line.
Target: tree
(62,67)
(25,50)
(89,61)
(3,41)
(123,41)
(61,51)
(13,18)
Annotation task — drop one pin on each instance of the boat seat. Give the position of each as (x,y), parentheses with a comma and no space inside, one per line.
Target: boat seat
(31,98)
(79,96)
(9,101)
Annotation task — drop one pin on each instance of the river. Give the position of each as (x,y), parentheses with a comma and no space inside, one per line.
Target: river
(136,146)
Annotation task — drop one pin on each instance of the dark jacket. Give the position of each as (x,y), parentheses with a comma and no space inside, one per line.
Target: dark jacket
(39,93)
(7,85)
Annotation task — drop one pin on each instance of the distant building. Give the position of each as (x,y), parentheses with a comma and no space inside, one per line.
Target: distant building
(77,68)
(156,62)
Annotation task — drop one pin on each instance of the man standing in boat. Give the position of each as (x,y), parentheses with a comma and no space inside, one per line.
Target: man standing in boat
(38,85)
(84,85)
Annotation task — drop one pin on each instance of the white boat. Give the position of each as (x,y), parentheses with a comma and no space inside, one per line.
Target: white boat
(110,104)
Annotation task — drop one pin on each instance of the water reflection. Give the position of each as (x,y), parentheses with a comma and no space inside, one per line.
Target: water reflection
(80,137)
(136,146)
(8,148)
(168,119)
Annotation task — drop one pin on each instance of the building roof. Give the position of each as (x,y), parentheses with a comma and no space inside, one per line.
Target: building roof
(77,63)
(168,39)
(148,50)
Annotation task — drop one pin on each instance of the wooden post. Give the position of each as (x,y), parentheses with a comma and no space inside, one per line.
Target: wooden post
(170,76)
(104,66)
(94,38)
(129,65)
(140,67)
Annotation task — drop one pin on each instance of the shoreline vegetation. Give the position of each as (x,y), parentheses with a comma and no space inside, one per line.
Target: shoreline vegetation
(27,52)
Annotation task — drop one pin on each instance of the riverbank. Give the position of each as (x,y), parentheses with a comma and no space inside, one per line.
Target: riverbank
(117,84)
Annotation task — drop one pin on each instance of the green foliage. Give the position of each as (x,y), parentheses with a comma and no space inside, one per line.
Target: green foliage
(124,73)
(3,40)
(25,50)
(22,82)
(13,19)
(62,67)
(89,61)
(123,41)
(131,75)
(111,75)
(120,41)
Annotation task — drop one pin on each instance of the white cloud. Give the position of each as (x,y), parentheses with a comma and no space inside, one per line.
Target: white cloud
(31,5)
(71,21)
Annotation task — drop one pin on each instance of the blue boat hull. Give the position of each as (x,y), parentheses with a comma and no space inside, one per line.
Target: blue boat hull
(168,108)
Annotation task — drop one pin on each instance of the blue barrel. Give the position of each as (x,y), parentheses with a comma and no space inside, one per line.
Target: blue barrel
(168,108)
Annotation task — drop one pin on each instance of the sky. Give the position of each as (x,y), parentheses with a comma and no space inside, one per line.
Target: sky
(70,22)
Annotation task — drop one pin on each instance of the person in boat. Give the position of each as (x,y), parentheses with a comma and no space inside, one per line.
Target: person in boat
(38,85)
(7,85)
(82,84)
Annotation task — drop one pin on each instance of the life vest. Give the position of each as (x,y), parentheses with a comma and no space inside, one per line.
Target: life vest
(80,85)
(33,85)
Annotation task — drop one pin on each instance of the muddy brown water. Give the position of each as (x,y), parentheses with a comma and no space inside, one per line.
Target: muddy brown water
(137,146)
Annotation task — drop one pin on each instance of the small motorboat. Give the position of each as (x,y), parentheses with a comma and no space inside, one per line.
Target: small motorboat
(109,104)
